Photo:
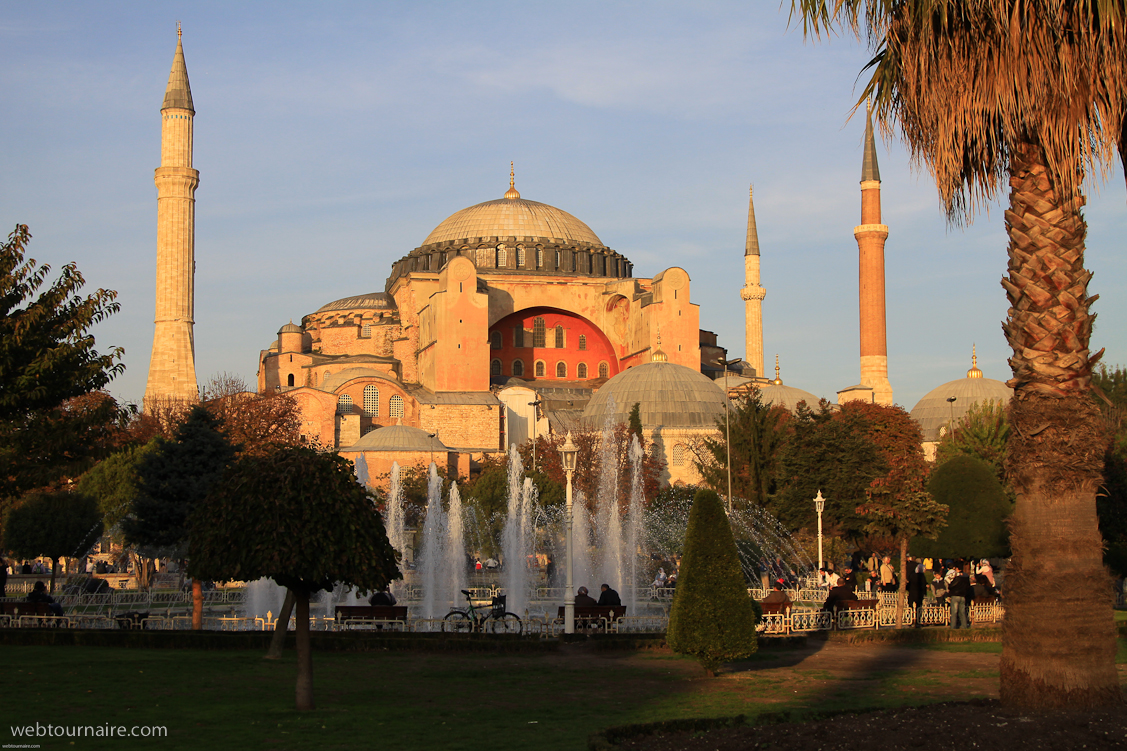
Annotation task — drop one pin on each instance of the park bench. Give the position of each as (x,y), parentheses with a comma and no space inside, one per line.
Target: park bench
(594,616)
(370,613)
(35,613)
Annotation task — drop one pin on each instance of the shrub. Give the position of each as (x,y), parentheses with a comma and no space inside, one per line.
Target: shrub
(712,617)
(979,506)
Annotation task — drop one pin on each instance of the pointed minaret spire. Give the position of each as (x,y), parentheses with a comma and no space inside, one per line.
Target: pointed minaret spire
(870,170)
(178,95)
(870,235)
(752,293)
(172,369)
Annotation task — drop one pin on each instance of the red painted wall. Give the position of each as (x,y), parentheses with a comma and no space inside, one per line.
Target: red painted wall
(598,350)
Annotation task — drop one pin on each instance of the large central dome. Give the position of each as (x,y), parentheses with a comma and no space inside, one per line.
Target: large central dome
(512,216)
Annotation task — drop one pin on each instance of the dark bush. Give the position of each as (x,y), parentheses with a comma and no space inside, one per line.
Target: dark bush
(712,617)
(979,506)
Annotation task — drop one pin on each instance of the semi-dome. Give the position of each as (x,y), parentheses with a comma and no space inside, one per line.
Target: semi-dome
(934,412)
(774,393)
(512,216)
(670,395)
(399,438)
(334,381)
(291,328)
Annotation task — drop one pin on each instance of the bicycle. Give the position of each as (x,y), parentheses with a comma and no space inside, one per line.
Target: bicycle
(459,621)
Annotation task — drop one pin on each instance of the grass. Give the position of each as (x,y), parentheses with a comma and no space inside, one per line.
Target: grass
(235,699)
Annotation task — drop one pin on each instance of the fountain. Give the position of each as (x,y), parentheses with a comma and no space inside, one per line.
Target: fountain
(395,523)
(517,538)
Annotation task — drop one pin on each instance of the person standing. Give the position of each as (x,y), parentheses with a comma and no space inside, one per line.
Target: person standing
(887,575)
(3,578)
(917,586)
(957,592)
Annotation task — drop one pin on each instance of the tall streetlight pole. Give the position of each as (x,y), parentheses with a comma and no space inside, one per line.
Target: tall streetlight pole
(727,426)
(819,506)
(535,414)
(569,453)
(951,425)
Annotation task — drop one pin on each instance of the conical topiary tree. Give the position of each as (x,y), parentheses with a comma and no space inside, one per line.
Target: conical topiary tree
(712,617)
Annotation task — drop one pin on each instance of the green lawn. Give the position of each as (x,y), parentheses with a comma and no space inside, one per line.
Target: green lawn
(215,700)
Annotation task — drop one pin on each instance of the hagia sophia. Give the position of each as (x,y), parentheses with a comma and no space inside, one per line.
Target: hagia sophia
(512,319)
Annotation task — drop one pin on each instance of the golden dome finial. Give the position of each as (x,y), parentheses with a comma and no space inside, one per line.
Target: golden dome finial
(179,31)
(657,355)
(974,372)
(512,193)
(778,381)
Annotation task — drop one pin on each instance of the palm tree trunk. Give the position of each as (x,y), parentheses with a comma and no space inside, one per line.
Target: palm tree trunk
(1059,634)
(304,653)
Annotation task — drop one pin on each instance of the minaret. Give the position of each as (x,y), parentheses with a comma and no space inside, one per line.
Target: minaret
(172,369)
(871,235)
(752,293)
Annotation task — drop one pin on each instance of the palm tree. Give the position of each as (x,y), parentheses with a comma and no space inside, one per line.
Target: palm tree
(1032,91)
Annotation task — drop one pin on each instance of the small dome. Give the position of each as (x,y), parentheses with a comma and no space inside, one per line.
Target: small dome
(788,396)
(513,216)
(398,438)
(934,412)
(359,302)
(670,395)
(291,328)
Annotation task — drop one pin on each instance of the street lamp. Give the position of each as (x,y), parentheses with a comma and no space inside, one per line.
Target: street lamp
(569,453)
(535,412)
(819,506)
(727,426)
(951,425)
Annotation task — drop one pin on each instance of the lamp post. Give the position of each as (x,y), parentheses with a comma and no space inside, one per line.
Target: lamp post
(569,453)
(535,413)
(951,425)
(819,506)
(727,426)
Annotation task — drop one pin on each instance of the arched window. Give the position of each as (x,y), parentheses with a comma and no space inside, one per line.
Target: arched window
(582,343)
(539,258)
(561,369)
(495,368)
(581,371)
(557,260)
(520,256)
(395,406)
(678,455)
(518,336)
(344,404)
(518,368)
(604,370)
(559,337)
(289,380)
(313,378)
(539,368)
(502,257)
(366,330)
(539,338)
(495,340)
(371,401)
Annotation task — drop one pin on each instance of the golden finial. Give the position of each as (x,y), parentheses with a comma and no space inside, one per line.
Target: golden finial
(657,355)
(974,372)
(778,381)
(512,193)
(179,32)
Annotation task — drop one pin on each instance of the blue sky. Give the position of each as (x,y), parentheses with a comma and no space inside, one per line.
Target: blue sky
(331,138)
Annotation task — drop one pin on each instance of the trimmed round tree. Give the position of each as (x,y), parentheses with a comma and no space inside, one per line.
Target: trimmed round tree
(976,523)
(299,517)
(712,617)
(56,524)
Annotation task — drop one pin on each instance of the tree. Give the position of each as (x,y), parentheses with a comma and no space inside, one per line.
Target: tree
(1033,92)
(978,508)
(1111,503)
(758,433)
(712,617)
(635,421)
(982,433)
(897,503)
(831,451)
(56,525)
(113,482)
(176,476)
(300,518)
(47,357)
